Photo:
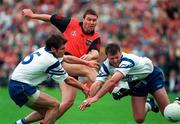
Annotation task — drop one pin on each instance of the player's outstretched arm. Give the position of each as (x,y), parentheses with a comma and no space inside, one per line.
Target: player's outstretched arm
(95,87)
(75,60)
(92,55)
(29,13)
(86,103)
(108,84)
(103,90)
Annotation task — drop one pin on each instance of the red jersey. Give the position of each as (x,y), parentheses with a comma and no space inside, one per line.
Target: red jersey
(78,43)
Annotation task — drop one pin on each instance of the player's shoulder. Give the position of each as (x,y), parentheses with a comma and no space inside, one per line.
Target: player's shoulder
(61,59)
(41,50)
(47,55)
(106,63)
(129,56)
(96,34)
(74,21)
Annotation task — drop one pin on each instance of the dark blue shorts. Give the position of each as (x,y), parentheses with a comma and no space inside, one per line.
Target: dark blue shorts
(19,92)
(150,84)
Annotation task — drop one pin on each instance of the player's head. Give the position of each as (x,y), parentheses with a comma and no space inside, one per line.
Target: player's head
(113,53)
(56,43)
(89,21)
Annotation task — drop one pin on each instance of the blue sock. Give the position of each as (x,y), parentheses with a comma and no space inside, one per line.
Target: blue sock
(23,121)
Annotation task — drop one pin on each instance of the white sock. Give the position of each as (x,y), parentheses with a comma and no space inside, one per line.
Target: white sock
(147,107)
(19,121)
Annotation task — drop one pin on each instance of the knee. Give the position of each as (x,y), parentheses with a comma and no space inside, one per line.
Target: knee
(139,120)
(68,103)
(90,74)
(86,72)
(55,104)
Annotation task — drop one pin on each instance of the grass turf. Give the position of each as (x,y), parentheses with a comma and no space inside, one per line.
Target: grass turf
(105,111)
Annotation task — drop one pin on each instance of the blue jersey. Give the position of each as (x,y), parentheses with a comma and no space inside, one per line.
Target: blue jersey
(39,66)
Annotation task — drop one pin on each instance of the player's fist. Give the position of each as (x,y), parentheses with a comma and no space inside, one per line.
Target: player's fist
(27,13)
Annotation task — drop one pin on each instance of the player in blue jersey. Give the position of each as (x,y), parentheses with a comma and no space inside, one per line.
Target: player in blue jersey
(40,65)
(139,72)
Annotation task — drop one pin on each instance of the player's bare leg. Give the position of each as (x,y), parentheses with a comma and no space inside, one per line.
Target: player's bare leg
(138,107)
(33,117)
(80,70)
(68,94)
(44,105)
(161,99)
(48,103)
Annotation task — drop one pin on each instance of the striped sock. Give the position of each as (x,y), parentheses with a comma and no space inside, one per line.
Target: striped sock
(20,121)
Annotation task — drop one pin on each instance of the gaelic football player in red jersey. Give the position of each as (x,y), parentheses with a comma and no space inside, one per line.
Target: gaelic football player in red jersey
(82,41)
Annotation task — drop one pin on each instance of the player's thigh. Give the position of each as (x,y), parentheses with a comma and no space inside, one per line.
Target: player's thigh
(68,93)
(138,106)
(76,69)
(43,102)
(161,98)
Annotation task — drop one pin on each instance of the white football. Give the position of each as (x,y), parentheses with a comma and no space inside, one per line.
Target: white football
(172,112)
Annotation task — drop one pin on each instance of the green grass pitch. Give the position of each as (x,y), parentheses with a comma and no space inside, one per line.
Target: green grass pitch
(105,111)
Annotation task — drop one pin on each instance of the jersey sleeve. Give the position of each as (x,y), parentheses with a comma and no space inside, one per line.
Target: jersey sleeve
(60,22)
(125,66)
(61,59)
(57,72)
(103,73)
(95,45)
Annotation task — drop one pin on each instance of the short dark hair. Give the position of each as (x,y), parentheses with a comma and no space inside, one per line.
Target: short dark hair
(112,49)
(55,41)
(90,12)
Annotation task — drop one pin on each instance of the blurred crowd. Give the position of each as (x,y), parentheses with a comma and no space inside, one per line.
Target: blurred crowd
(144,27)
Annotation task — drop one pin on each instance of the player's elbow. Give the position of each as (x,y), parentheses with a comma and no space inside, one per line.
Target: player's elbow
(94,55)
(66,104)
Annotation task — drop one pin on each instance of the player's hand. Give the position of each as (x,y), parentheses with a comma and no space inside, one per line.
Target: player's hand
(86,57)
(27,13)
(93,64)
(86,103)
(83,105)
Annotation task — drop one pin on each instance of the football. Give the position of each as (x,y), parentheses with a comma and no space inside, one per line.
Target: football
(172,112)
